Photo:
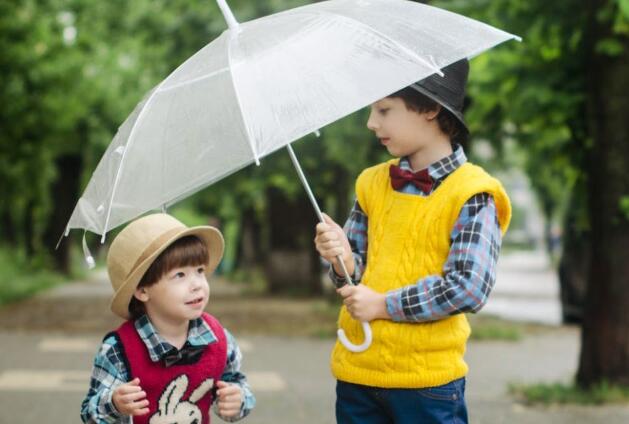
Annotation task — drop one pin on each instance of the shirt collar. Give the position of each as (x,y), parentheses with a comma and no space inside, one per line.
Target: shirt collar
(199,334)
(443,167)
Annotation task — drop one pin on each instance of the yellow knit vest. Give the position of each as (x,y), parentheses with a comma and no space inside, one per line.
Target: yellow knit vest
(409,238)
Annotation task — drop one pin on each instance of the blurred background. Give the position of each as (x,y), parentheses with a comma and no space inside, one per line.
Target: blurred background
(548,116)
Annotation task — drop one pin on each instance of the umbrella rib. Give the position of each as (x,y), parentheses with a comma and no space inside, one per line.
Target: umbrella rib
(194,80)
(124,155)
(403,48)
(242,114)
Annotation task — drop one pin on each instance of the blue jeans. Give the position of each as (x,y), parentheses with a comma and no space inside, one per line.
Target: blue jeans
(356,404)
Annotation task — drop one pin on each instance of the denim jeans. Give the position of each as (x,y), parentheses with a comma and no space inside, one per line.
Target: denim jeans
(356,404)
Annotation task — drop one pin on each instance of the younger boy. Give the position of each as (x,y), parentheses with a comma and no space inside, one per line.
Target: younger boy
(423,241)
(170,361)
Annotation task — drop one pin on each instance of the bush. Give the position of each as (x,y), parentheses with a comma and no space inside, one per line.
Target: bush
(21,278)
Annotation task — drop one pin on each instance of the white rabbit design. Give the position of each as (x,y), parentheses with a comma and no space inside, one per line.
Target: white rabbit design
(173,410)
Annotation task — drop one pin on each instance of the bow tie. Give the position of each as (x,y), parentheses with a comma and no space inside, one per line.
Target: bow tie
(420,179)
(187,355)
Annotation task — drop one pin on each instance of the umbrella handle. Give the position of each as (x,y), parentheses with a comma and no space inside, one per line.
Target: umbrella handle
(366,328)
(351,346)
(341,334)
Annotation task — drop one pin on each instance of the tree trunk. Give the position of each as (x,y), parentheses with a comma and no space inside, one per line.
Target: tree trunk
(290,266)
(8,228)
(605,335)
(28,228)
(574,266)
(250,238)
(65,192)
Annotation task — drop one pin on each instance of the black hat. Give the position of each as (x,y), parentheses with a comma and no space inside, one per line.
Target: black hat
(449,90)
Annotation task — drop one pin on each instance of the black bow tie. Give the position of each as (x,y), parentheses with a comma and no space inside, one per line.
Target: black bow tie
(187,355)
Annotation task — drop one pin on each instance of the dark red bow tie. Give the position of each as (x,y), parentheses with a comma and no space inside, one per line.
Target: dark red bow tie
(420,179)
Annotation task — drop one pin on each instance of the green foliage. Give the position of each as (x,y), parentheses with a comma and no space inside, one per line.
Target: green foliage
(559,393)
(74,69)
(533,93)
(624,206)
(21,277)
(190,216)
(610,47)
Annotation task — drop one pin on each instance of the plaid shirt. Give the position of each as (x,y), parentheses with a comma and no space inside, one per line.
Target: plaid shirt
(469,273)
(110,370)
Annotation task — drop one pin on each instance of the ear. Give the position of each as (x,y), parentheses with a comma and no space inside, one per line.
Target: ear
(432,114)
(141,294)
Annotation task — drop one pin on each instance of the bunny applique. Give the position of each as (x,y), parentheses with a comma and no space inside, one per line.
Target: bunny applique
(173,409)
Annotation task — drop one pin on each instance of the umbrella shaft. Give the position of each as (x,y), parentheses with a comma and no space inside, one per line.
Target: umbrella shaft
(232,23)
(313,200)
(304,182)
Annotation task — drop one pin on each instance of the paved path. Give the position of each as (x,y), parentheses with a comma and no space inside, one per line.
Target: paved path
(44,372)
(526,289)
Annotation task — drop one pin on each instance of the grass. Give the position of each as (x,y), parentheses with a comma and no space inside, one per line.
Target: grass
(560,393)
(485,328)
(21,278)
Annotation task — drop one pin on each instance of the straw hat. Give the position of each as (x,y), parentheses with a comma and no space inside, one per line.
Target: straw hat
(136,247)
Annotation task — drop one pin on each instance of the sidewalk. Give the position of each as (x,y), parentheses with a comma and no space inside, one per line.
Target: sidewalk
(526,290)
(47,355)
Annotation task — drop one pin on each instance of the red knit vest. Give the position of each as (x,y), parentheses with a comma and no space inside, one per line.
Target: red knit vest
(179,394)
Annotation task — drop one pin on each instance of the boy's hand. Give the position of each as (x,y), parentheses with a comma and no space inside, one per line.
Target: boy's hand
(363,303)
(229,399)
(331,242)
(130,399)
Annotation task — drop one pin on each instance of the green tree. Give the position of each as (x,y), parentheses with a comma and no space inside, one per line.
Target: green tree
(562,95)
(605,336)
(72,70)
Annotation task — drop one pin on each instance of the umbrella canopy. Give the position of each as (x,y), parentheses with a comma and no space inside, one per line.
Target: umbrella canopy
(263,84)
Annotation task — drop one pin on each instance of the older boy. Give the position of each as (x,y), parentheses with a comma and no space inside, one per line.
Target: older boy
(170,361)
(423,241)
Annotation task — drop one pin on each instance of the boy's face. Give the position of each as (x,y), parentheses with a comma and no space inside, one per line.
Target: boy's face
(179,295)
(402,131)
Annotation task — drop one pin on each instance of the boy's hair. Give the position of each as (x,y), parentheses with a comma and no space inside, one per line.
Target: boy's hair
(448,123)
(186,251)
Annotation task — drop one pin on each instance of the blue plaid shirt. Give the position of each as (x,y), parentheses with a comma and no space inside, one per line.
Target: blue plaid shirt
(469,273)
(110,371)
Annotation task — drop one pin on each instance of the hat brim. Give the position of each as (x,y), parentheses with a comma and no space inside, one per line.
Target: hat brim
(458,115)
(209,235)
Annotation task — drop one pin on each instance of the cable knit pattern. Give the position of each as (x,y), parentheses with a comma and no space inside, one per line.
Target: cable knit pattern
(409,238)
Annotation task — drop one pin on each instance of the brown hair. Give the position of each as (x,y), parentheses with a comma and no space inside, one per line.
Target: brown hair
(418,102)
(186,251)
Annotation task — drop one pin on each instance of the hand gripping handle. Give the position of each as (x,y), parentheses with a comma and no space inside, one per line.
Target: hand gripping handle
(366,328)
(341,334)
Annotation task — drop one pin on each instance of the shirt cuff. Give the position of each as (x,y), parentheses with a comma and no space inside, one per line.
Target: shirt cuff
(340,280)
(109,412)
(394,305)
(227,419)
(245,407)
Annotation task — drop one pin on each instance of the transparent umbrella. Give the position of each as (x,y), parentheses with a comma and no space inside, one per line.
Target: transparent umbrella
(261,85)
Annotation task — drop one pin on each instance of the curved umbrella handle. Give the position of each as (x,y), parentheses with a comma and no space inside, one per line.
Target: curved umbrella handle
(341,334)
(351,346)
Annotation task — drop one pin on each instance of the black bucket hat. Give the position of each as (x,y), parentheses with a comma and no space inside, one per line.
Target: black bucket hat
(449,90)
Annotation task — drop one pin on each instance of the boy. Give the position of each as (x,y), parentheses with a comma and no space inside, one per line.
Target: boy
(170,360)
(423,240)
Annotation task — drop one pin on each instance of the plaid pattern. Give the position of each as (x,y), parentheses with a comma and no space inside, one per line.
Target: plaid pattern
(110,369)
(469,273)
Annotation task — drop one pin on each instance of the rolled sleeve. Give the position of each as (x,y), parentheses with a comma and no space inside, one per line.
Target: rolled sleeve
(107,374)
(232,374)
(469,273)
